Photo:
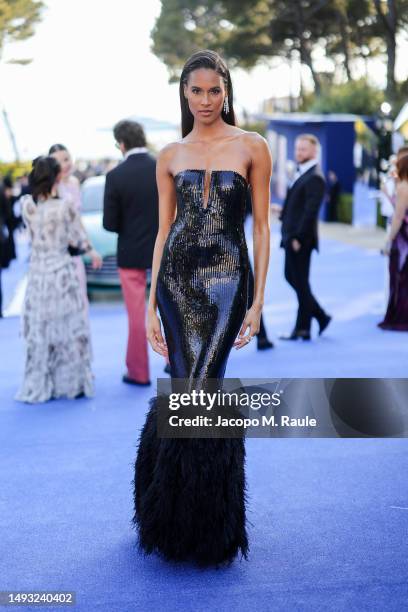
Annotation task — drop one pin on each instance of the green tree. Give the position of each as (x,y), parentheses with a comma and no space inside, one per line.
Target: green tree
(392,17)
(253,31)
(246,33)
(349,33)
(356,97)
(17,21)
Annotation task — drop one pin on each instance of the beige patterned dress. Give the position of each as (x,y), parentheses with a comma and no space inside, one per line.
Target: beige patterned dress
(55,323)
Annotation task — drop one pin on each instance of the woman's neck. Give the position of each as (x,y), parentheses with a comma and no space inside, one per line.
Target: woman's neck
(207,133)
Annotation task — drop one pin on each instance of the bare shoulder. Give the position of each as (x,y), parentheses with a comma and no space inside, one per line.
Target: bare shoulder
(257,145)
(167,152)
(259,151)
(402,188)
(166,156)
(253,138)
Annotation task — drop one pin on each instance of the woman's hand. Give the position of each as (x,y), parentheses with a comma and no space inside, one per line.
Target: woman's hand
(386,250)
(296,245)
(154,334)
(96,259)
(252,321)
(276,210)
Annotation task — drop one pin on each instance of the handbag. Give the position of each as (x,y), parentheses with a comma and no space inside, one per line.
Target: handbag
(76,251)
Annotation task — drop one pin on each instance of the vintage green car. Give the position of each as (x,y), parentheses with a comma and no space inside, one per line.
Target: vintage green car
(107,277)
(104,242)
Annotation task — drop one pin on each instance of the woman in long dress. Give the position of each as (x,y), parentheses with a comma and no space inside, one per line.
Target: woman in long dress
(396,317)
(55,322)
(69,187)
(189,494)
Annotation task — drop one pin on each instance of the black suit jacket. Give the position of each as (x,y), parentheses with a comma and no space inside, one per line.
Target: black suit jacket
(300,211)
(131,209)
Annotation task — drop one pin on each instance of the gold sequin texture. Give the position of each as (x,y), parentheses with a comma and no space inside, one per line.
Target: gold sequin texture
(202,283)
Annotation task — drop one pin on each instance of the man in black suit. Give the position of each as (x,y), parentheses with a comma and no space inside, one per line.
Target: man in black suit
(300,236)
(131,210)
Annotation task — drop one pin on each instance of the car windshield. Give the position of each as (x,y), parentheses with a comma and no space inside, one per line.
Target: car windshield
(92,197)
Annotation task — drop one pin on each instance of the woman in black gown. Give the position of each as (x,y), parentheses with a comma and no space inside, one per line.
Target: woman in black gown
(190,494)
(396,317)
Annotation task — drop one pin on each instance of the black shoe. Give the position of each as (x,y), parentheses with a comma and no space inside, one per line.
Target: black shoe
(131,381)
(79,395)
(323,323)
(263,343)
(297,334)
(167,369)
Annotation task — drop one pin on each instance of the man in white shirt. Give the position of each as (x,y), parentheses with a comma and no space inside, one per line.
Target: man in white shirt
(299,218)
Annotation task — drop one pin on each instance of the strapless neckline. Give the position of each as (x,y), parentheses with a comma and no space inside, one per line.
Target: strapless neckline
(211,172)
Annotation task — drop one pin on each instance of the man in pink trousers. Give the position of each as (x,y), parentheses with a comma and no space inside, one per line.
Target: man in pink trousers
(131,210)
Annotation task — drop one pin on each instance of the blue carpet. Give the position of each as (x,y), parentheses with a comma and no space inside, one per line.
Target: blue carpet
(328,518)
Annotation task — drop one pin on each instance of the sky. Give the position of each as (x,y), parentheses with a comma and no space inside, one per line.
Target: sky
(93,65)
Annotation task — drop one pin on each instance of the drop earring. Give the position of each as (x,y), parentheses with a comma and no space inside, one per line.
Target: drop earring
(226,105)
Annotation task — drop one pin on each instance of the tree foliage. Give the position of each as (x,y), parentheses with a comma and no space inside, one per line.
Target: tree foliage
(253,31)
(356,97)
(18,19)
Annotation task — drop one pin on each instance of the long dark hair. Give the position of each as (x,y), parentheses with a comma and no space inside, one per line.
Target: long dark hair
(43,176)
(204,59)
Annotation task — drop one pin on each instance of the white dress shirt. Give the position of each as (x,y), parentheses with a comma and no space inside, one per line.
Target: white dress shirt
(135,150)
(302,168)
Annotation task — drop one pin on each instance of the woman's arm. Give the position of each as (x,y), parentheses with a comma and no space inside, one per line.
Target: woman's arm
(167,213)
(77,235)
(259,178)
(401,206)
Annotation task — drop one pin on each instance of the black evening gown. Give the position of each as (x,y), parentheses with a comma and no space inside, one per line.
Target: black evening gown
(190,493)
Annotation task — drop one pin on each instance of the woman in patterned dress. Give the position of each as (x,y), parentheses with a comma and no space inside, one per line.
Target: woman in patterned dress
(55,323)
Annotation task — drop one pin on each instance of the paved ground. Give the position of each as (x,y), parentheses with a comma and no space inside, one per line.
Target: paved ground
(364,237)
(328,517)
(349,281)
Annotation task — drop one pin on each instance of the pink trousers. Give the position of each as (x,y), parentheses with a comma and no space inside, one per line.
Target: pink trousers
(133,283)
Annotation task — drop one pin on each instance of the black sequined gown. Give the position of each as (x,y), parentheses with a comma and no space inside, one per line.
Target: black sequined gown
(189,494)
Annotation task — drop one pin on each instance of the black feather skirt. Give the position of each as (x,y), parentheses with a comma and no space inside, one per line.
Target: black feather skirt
(190,496)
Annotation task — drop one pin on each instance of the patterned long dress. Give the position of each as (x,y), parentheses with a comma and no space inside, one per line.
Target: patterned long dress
(55,323)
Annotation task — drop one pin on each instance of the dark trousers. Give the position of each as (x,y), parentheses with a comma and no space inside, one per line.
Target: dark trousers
(251,287)
(297,270)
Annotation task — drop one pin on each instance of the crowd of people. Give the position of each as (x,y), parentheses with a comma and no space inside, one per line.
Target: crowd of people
(10,221)
(55,314)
